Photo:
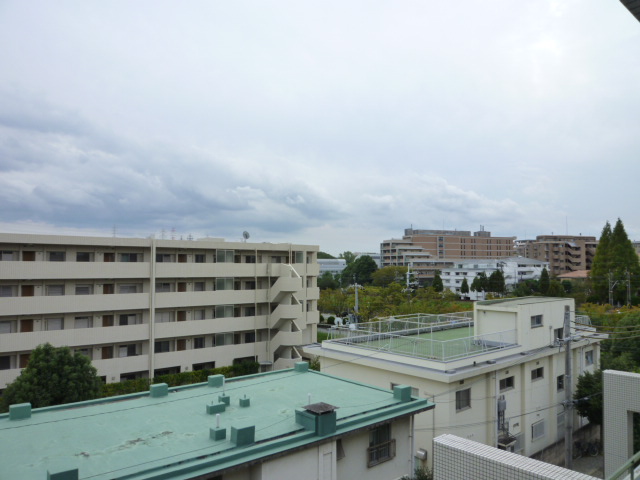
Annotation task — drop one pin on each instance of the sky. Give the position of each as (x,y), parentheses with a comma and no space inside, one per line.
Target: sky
(329,123)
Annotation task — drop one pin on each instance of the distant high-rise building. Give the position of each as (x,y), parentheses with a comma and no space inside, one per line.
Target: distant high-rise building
(565,253)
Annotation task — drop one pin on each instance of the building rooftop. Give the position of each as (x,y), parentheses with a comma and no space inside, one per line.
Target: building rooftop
(172,432)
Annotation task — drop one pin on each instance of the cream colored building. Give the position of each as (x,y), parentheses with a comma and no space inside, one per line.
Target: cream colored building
(505,353)
(565,253)
(141,307)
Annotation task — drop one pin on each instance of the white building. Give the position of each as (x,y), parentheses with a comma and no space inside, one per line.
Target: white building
(142,307)
(515,270)
(332,265)
(505,352)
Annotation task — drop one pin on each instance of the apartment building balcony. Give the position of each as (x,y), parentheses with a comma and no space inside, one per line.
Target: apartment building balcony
(42,305)
(199,270)
(219,297)
(76,337)
(222,355)
(205,327)
(73,270)
(135,363)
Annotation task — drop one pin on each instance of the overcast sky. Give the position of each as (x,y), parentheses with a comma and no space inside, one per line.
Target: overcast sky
(336,123)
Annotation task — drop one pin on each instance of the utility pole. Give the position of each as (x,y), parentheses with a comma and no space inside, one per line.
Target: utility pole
(568,398)
(611,287)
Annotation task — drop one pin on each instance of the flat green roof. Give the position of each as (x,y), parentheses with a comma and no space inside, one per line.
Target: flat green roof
(140,436)
(519,300)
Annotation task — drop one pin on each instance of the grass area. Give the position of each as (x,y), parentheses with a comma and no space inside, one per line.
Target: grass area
(322,336)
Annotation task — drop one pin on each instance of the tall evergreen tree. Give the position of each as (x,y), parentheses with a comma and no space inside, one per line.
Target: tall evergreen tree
(599,273)
(437,282)
(464,288)
(544,283)
(496,282)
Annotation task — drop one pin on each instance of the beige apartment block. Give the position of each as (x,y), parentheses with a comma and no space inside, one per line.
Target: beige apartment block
(565,253)
(427,251)
(143,307)
(496,374)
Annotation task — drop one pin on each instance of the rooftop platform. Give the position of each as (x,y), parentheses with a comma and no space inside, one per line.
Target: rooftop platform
(171,432)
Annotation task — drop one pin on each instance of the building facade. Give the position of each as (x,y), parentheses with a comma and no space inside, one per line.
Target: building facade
(514,269)
(287,424)
(427,251)
(496,375)
(565,253)
(142,307)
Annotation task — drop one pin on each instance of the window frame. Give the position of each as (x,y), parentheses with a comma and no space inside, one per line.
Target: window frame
(509,383)
(537,374)
(537,321)
(463,399)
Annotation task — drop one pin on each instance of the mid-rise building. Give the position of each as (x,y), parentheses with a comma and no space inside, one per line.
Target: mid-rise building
(565,253)
(427,251)
(496,375)
(332,265)
(142,307)
(288,424)
(514,269)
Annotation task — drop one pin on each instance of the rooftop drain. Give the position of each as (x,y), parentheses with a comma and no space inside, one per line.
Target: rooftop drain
(319,417)
(215,381)
(159,390)
(71,474)
(19,411)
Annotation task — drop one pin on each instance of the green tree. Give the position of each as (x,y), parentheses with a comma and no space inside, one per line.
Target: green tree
(437,282)
(480,283)
(496,282)
(464,288)
(588,396)
(325,255)
(545,281)
(350,257)
(599,273)
(555,289)
(53,376)
(384,276)
(327,280)
(361,270)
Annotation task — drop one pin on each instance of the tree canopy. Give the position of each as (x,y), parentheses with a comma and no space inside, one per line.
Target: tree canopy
(480,283)
(361,270)
(53,376)
(544,282)
(437,282)
(464,288)
(325,255)
(350,257)
(327,280)
(497,283)
(384,276)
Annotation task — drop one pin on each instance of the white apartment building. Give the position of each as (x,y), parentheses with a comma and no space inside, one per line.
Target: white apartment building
(496,375)
(515,270)
(143,307)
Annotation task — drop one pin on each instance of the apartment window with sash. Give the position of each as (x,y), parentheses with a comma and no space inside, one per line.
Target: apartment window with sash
(7,327)
(198,286)
(84,256)
(164,317)
(381,446)
(537,430)
(222,339)
(200,258)
(127,350)
(536,321)
(54,290)
(84,289)
(128,288)
(164,258)
(224,311)
(507,383)
(224,283)
(163,346)
(57,256)
(8,290)
(54,323)
(128,319)
(7,256)
(225,256)
(198,314)
(198,342)
(537,373)
(128,257)
(83,322)
(163,287)
(463,399)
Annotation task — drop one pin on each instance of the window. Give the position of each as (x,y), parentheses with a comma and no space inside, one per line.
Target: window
(537,430)
(381,446)
(537,373)
(56,256)
(507,383)
(84,289)
(108,289)
(163,287)
(250,337)
(7,256)
(225,256)
(164,257)
(298,257)
(588,357)
(198,314)
(54,323)
(84,257)
(250,259)
(109,257)
(5,362)
(198,342)
(536,321)
(224,283)
(164,317)
(128,319)
(128,257)
(83,322)
(163,346)
(107,320)
(7,327)
(560,383)
(54,290)
(200,258)
(8,290)
(198,286)
(223,311)
(463,399)
(224,339)
(127,350)
(128,288)
(559,333)
(107,353)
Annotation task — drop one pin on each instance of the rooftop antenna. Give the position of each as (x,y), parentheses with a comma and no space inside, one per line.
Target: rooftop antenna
(245,236)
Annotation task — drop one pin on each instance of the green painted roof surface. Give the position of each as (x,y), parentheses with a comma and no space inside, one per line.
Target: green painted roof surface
(138,436)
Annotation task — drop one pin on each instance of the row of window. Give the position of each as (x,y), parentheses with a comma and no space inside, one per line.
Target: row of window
(220,256)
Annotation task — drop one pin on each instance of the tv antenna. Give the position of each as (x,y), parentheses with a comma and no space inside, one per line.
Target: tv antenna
(245,236)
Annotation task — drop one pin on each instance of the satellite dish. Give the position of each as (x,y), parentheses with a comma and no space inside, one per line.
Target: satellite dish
(245,235)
